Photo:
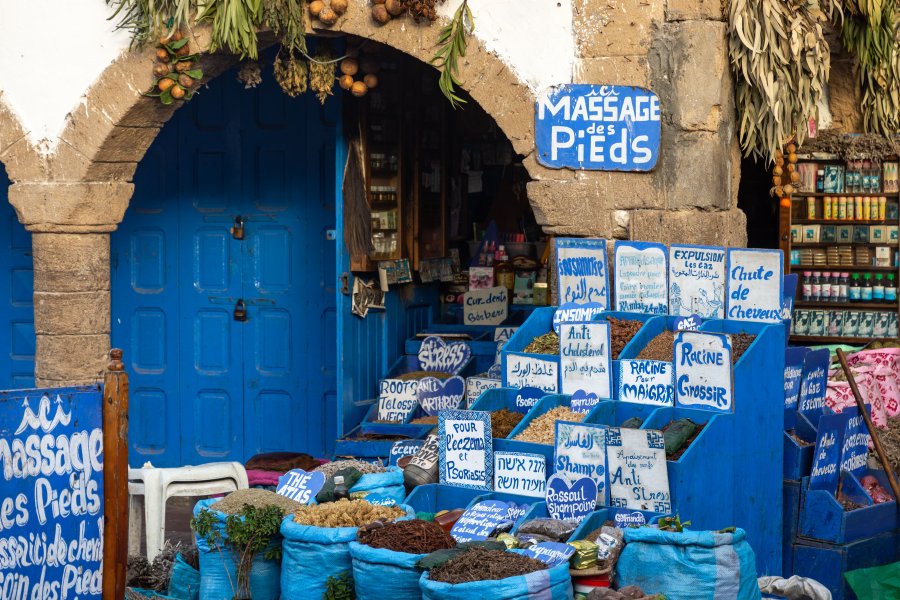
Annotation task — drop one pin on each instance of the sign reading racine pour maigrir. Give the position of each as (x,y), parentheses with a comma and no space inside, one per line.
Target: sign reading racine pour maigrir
(51,505)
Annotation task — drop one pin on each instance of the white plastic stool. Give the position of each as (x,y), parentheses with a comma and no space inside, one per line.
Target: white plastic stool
(158,485)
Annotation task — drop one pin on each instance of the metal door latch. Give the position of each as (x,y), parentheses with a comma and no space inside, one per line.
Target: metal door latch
(238,230)
(240,311)
(345,284)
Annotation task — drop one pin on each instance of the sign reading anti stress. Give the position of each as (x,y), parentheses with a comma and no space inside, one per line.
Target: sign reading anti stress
(598,127)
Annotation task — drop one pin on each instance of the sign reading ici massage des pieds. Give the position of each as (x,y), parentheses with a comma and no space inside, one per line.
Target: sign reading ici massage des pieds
(598,128)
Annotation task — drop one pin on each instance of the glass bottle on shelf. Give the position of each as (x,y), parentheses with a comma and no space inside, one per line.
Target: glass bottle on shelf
(816,286)
(878,288)
(890,289)
(820,181)
(806,293)
(845,287)
(865,294)
(855,289)
(825,287)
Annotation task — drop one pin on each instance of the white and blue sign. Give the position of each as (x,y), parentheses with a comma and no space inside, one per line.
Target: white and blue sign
(379,500)
(570,501)
(437,355)
(646,382)
(632,519)
(435,395)
(582,276)
(517,511)
(688,323)
(583,402)
(826,470)
(755,285)
(502,334)
(520,473)
(403,448)
(475,386)
(641,278)
(526,398)
(397,399)
(584,359)
(300,486)
(466,448)
(793,372)
(638,475)
(52,481)
(486,306)
(697,281)
(580,451)
(598,127)
(814,382)
(703,371)
(480,521)
(576,313)
(524,371)
(855,445)
(550,553)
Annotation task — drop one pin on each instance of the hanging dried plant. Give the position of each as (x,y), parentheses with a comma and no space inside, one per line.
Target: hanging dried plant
(234,24)
(321,73)
(287,20)
(421,10)
(250,74)
(781,63)
(291,73)
(451,47)
(152,19)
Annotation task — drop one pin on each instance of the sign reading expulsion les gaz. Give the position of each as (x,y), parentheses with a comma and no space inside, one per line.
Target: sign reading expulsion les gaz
(598,127)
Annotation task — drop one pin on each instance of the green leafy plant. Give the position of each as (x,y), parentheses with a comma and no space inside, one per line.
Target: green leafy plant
(673,524)
(250,533)
(451,47)
(151,19)
(339,587)
(234,24)
(175,76)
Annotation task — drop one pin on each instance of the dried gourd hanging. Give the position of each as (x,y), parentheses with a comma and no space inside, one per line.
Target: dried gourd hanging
(321,73)
(291,73)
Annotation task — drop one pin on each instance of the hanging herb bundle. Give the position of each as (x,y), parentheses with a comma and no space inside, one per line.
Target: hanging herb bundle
(421,10)
(451,47)
(291,72)
(781,63)
(287,20)
(151,19)
(321,72)
(234,24)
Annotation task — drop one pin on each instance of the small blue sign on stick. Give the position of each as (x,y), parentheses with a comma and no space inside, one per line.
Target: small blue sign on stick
(813,382)
(551,553)
(300,486)
(479,521)
(572,501)
(598,127)
(826,468)
(403,448)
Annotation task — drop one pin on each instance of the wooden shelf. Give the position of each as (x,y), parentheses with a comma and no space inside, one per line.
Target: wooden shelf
(826,244)
(805,195)
(825,339)
(842,222)
(889,306)
(798,268)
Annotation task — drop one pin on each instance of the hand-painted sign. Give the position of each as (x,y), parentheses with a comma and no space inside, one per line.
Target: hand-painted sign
(488,306)
(584,358)
(475,386)
(580,451)
(300,486)
(697,281)
(517,511)
(466,448)
(583,402)
(526,371)
(428,454)
(826,470)
(598,127)
(647,382)
(793,371)
(581,273)
(632,519)
(689,323)
(396,399)
(638,475)
(550,553)
(527,397)
(379,500)
(703,370)
(502,334)
(437,355)
(403,448)
(813,382)
(51,521)
(435,395)
(576,313)
(480,521)
(855,445)
(755,285)
(572,501)
(641,278)
(520,473)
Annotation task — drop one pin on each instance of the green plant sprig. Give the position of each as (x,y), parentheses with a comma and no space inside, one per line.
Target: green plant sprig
(234,24)
(151,19)
(451,47)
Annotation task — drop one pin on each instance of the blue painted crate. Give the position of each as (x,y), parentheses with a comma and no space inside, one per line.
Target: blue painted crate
(596,519)
(617,314)
(368,425)
(435,497)
(797,458)
(791,518)
(536,509)
(482,342)
(823,518)
(481,364)
(614,413)
(827,563)
(544,405)
(408,363)
(539,323)
(497,398)
(363,450)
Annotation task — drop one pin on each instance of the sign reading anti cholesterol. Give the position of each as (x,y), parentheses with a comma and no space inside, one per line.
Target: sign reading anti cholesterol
(598,127)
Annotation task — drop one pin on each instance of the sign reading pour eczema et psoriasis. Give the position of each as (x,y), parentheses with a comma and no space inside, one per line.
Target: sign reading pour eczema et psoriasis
(598,127)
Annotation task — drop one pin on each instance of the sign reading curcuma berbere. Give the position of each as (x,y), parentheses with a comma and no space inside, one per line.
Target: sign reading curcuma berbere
(598,127)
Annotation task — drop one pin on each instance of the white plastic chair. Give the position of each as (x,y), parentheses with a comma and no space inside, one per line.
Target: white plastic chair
(158,485)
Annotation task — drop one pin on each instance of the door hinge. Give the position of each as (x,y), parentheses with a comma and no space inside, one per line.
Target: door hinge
(345,284)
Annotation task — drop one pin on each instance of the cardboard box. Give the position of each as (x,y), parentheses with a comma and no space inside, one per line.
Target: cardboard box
(845,233)
(882,324)
(877,233)
(811,233)
(817,322)
(801,322)
(835,322)
(866,324)
(850,327)
(892,233)
(861,234)
(796,234)
(828,233)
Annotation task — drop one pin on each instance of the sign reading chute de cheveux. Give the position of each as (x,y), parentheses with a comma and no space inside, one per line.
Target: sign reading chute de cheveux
(598,128)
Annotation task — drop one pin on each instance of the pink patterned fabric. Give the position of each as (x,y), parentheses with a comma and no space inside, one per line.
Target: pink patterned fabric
(839,396)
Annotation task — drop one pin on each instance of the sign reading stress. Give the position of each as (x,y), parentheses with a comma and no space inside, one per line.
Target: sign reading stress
(598,127)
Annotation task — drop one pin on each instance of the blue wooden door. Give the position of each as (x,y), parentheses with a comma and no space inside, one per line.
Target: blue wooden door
(206,386)
(16,293)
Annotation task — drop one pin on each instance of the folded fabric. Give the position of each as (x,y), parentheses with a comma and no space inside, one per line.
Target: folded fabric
(260,477)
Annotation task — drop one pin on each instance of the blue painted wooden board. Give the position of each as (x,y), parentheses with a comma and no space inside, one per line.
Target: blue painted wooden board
(538,323)
(408,429)
(791,520)
(481,344)
(16,295)
(496,399)
(536,508)
(827,563)
(614,413)
(511,445)
(823,518)
(797,458)
(435,497)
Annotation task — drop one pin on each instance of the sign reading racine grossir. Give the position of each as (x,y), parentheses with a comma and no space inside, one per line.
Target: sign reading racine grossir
(598,127)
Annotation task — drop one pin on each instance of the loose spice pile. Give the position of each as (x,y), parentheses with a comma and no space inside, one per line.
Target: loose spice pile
(503,421)
(234,502)
(739,344)
(345,513)
(620,333)
(413,537)
(662,347)
(479,564)
(412,375)
(544,344)
(329,469)
(679,435)
(425,421)
(543,429)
